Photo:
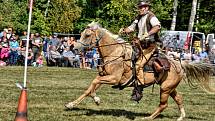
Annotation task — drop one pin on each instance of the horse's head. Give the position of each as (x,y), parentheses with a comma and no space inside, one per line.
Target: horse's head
(91,36)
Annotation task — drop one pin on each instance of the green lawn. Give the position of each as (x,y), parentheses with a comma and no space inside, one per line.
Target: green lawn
(50,88)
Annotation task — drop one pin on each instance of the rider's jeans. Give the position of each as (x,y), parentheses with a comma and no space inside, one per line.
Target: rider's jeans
(142,60)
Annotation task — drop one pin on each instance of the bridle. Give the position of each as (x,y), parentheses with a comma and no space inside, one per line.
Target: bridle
(98,39)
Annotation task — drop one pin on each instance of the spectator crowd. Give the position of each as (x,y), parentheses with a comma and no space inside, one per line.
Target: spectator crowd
(59,51)
(187,55)
(44,50)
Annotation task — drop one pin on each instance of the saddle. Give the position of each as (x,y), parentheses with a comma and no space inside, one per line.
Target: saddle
(161,64)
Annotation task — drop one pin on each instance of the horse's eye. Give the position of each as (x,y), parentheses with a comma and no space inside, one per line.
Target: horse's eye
(87,33)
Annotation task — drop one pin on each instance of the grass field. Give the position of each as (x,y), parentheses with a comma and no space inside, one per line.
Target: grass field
(50,88)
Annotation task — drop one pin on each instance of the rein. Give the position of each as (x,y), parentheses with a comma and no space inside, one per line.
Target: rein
(98,39)
(111,44)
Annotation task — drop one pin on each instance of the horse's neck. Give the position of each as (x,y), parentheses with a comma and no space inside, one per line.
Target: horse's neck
(108,46)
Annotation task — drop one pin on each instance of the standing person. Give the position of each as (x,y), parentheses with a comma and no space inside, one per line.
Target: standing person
(24,36)
(14,48)
(9,33)
(54,42)
(23,40)
(36,43)
(95,58)
(45,47)
(3,32)
(147,25)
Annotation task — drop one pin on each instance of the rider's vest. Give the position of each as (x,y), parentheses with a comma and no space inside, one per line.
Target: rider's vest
(155,37)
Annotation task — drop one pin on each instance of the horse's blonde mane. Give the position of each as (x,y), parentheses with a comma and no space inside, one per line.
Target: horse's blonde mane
(96,25)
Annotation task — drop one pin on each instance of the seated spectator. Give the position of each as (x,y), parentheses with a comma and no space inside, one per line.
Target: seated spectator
(204,56)
(54,56)
(72,58)
(186,56)
(178,54)
(71,41)
(62,47)
(196,57)
(212,55)
(40,61)
(29,58)
(4,45)
(171,53)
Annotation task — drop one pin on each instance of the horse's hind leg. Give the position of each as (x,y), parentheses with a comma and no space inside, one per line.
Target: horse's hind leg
(178,99)
(163,104)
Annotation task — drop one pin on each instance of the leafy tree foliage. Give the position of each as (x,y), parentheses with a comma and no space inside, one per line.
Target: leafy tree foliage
(13,14)
(62,15)
(71,16)
(207,16)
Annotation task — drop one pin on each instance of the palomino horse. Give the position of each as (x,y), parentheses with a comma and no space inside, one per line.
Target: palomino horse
(117,70)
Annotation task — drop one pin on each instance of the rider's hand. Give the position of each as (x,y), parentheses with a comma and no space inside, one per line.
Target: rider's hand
(145,36)
(121,31)
(135,40)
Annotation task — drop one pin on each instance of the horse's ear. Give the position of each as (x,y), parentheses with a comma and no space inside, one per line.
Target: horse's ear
(91,24)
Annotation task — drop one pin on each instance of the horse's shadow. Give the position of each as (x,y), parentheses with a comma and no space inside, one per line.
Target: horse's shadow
(110,112)
(121,112)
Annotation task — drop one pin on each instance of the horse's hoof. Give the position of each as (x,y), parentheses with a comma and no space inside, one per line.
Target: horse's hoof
(97,100)
(148,118)
(180,119)
(70,105)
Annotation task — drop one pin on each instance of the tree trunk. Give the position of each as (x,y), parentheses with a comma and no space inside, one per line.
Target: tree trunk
(173,24)
(197,15)
(192,16)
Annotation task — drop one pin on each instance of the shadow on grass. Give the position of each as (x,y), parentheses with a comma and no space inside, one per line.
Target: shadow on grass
(128,114)
(110,112)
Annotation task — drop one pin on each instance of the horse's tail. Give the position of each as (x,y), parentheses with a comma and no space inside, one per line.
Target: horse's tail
(200,73)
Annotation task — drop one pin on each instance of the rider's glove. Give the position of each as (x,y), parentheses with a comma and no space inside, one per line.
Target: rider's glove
(145,36)
(122,31)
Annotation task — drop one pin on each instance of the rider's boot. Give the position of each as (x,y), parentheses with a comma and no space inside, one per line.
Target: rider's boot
(137,93)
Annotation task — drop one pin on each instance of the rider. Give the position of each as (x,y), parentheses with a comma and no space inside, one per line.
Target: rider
(147,25)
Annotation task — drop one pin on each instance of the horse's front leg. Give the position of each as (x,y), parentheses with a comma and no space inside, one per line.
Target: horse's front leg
(110,79)
(96,99)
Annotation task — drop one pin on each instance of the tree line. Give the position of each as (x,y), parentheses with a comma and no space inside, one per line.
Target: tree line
(71,16)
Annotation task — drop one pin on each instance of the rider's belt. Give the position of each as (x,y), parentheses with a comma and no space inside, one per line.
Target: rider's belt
(146,44)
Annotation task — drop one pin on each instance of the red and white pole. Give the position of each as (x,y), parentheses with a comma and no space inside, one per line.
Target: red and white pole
(21,114)
(27,46)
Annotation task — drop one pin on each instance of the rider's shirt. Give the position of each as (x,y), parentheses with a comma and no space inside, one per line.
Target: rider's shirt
(142,24)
